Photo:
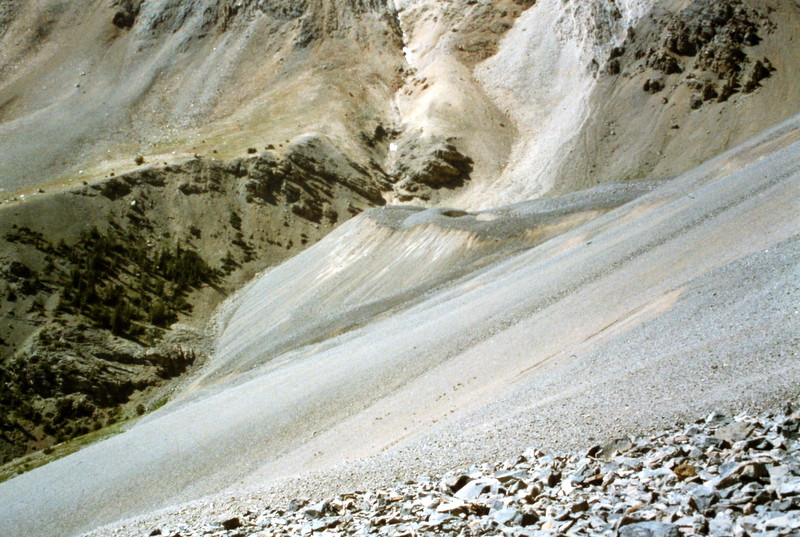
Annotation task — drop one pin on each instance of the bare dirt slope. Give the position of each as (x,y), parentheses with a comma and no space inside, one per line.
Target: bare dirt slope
(529,333)
(621,90)
(468,103)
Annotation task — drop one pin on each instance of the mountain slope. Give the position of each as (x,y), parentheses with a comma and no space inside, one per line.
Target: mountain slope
(530,332)
(499,101)
(522,278)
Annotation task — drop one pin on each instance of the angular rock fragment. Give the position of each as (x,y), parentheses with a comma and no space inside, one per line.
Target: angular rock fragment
(733,486)
(650,528)
(232,523)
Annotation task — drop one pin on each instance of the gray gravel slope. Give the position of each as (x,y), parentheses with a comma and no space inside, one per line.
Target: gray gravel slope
(615,324)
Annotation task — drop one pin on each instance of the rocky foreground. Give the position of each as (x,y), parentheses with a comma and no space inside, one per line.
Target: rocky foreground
(719,476)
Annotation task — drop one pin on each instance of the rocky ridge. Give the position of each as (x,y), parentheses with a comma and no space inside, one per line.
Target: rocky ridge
(719,476)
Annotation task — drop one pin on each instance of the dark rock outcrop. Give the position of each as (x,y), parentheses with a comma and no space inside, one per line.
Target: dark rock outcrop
(127,11)
(707,41)
(423,164)
(304,174)
(70,381)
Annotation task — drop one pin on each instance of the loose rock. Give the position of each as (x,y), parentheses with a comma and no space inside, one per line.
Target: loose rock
(720,477)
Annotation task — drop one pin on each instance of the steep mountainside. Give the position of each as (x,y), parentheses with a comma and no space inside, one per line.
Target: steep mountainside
(483,97)
(679,301)
(167,168)
(96,274)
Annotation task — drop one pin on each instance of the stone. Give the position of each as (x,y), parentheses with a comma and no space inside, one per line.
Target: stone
(650,528)
(721,525)
(507,516)
(702,497)
(549,477)
(317,510)
(653,85)
(472,490)
(790,487)
(787,521)
(579,507)
(613,67)
(428,502)
(529,517)
(511,475)
(685,471)
(735,432)
(709,92)
(666,63)
(584,471)
(437,519)
(452,507)
(294,506)
(232,523)
(760,70)
(745,472)
(594,451)
(455,482)
(725,469)
(325,523)
(125,16)
(618,447)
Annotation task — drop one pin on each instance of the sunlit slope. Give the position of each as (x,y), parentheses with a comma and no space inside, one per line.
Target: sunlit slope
(462,103)
(446,329)
(80,92)
(384,262)
(574,77)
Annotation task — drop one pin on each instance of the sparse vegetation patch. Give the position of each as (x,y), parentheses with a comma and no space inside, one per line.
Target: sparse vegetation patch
(115,294)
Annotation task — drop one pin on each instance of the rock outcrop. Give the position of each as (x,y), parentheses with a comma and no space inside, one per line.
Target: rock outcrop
(422,164)
(69,381)
(706,46)
(303,176)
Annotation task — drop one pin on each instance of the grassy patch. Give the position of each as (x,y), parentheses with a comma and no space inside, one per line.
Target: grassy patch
(159,403)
